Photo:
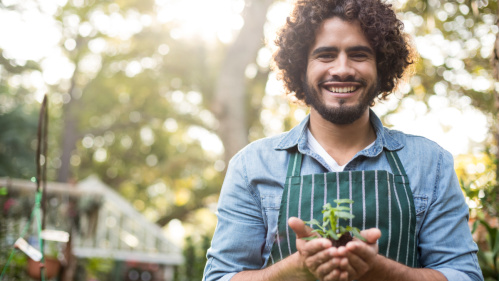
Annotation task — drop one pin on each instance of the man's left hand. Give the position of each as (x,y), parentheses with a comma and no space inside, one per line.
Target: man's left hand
(359,257)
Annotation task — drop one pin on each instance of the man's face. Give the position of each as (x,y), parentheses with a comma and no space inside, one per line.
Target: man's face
(341,79)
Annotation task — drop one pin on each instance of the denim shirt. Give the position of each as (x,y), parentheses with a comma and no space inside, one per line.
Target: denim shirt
(249,202)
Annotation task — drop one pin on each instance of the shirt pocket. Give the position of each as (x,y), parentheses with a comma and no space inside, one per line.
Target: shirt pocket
(420,204)
(271,205)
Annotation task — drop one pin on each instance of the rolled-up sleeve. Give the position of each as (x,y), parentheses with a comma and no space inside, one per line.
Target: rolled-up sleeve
(445,241)
(239,237)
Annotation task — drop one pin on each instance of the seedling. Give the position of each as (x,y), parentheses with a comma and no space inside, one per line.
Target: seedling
(330,228)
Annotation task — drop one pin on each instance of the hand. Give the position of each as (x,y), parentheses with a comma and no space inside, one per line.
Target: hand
(360,256)
(318,255)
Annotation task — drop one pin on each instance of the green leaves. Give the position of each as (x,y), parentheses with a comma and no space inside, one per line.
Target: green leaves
(356,234)
(344,215)
(330,227)
(488,257)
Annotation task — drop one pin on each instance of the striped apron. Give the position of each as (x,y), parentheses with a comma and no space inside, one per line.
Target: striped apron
(381,199)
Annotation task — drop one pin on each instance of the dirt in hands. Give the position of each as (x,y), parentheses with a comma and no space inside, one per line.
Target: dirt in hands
(344,239)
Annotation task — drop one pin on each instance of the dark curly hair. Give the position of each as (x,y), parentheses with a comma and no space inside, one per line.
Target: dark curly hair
(378,21)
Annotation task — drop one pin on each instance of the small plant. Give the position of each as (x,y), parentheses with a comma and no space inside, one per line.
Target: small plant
(330,227)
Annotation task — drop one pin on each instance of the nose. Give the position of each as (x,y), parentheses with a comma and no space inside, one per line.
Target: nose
(341,68)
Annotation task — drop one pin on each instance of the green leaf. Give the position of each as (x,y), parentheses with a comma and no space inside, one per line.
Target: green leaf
(356,234)
(3,191)
(496,244)
(312,222)
(344,215)
(319,231)
(309,238)
(326,213)
(475,226)
(343,201)
(332,234)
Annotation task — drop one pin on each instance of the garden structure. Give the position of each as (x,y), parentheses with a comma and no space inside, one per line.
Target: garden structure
(108,237)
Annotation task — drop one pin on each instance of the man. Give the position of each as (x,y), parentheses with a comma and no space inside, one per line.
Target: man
(338,56)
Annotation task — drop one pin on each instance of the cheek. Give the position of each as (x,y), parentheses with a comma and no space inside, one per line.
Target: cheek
(370,70)
(316,72)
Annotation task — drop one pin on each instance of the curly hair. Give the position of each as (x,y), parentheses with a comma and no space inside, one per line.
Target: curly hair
(380,26)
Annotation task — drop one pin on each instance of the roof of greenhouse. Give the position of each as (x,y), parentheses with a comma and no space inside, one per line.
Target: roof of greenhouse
(109,226)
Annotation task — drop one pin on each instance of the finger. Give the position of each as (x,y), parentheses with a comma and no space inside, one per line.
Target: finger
(360,257)
(314,247)
(346,267)
(346,261)
(324,258)
(362,250)
(332,275)
(371,235)
(300,228)
(344,276)
(354,265)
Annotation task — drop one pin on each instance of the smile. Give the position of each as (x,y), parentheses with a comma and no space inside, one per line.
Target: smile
(342,89)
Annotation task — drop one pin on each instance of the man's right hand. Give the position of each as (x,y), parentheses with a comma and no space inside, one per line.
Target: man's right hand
(318,255)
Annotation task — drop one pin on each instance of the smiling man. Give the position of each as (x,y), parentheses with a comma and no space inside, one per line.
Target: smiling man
(339,57)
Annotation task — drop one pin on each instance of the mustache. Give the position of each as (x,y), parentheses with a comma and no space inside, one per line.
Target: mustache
(347,79)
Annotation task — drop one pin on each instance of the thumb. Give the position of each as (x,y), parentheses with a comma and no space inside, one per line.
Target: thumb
(371,235)
(300,228)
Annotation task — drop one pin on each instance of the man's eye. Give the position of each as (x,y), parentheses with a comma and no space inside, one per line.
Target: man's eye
(359,56)
(326,56)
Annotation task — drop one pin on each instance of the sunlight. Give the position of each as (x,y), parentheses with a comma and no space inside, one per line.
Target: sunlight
(37,29)
(209,20)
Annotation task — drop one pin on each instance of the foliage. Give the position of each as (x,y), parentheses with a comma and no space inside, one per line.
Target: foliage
(477,175)
(17,139)
(330,227)
(194,259)
(488,257)
(135,105)
(98,268)
(16,269)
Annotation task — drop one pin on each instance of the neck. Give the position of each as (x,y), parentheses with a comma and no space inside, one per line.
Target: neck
(342,142)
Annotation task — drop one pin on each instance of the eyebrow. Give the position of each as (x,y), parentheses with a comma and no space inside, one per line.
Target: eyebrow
(359,48)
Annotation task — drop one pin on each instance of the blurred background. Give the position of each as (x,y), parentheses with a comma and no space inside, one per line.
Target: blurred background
(149,100)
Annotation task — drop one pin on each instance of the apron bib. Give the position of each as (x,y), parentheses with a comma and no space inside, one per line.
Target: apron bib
(381,199)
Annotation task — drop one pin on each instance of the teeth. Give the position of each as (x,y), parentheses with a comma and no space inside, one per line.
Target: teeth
(341,89)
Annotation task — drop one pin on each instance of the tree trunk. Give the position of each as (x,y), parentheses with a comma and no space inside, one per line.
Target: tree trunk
(230,93)
(69,136)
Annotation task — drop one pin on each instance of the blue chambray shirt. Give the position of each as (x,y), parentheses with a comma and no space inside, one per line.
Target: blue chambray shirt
(249,202)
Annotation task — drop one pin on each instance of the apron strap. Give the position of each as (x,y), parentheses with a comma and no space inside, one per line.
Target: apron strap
(295,159)
(395,163)
(294,164)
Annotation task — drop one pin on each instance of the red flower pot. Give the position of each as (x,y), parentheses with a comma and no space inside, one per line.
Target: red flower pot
(52,267)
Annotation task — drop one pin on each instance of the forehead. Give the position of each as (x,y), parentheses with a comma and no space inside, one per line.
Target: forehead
(339,33)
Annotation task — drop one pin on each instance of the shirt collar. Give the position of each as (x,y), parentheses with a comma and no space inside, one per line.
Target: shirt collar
(384,137)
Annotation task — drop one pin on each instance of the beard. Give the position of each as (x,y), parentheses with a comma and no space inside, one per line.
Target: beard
(342,114)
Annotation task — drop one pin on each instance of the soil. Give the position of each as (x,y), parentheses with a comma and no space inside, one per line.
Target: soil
(344,239)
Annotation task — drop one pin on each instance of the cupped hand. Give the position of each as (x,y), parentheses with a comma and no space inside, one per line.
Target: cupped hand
(360,256)
(318,255)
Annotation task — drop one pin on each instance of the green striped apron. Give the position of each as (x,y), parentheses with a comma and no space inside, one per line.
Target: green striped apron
(381,199)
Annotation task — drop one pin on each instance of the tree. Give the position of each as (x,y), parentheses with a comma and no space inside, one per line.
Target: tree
(230,98)
(137,104)
(158,117)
